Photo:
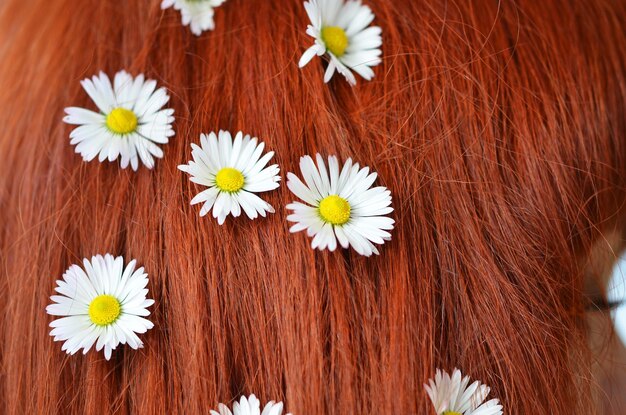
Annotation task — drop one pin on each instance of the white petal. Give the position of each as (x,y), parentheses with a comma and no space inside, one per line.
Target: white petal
(81,116)
(310,53)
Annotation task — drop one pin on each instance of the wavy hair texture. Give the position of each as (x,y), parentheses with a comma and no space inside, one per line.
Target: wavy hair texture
(498,126)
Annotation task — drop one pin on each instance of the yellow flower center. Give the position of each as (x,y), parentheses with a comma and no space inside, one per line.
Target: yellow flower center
(335,210)
(122,121)
(451,413)
(335,39)
(104,310)
(229,180)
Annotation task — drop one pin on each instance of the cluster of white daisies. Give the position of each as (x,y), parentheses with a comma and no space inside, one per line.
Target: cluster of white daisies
(339,205)
(104,303)
(341,30)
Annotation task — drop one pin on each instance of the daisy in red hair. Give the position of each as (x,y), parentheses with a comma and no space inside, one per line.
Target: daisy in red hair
(342,30)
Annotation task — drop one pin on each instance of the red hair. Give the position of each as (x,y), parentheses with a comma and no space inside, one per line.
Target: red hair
(498,126)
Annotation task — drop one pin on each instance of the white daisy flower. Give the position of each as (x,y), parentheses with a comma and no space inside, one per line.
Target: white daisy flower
(340,29)
(340,206)
(250,406)
(451,395)
(130,124)
(103,304)
(233,171)
(197,14)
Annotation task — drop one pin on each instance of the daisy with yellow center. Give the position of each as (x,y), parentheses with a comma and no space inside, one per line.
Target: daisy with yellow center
(234,171)
(341,30)
(197,14)
(101,304)
(453,395)
(130,125)
(340,206)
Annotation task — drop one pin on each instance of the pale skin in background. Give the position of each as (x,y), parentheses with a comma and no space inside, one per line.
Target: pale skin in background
(608,351)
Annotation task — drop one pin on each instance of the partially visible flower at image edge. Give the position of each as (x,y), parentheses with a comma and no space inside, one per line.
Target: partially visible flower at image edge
(197,14)
(453,395)
(341,31)
(250,406)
